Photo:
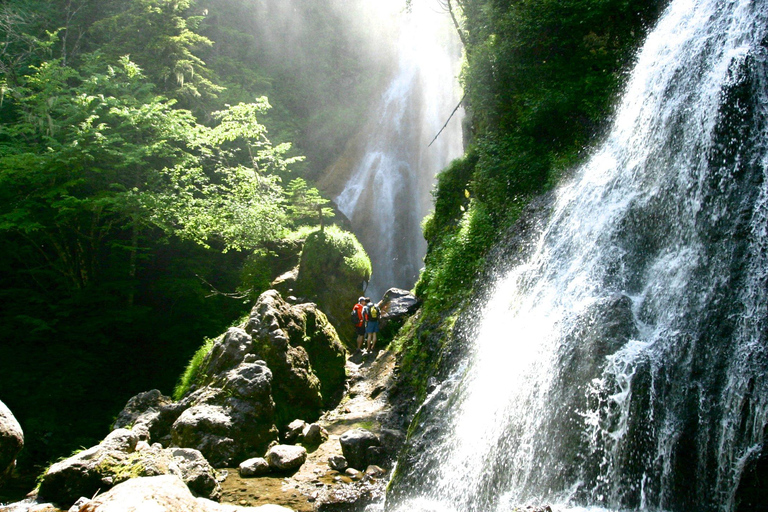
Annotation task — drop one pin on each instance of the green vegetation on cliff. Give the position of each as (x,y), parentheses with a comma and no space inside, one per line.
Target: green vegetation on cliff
(541,78)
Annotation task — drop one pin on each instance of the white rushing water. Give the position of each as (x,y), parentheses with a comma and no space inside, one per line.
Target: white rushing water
(388,192)
(612,369)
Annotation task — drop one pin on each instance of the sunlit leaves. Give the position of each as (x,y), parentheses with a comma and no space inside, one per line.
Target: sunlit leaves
(97,151)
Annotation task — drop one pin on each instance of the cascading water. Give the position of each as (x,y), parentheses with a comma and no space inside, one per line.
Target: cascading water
(387,193)
(623,365)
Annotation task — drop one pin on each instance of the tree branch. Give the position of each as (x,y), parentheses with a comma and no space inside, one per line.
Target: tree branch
(449,119)
(215,292)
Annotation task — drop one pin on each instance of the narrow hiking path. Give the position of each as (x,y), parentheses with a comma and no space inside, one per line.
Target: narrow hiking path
(315,485)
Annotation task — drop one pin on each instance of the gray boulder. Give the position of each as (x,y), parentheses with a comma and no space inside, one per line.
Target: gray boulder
(209,429)
(151,414)
(313,435)
(303,351)
(11,440)
(196,472)
(358,446)
(229,351)
(256,466)
(230,411)
(231,417)
(122,456)
(398,303)
(285,457)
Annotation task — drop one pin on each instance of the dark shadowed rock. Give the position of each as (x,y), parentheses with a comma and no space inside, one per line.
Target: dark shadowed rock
(337,462)
(355,446)
(151,414)
(397,303)
(11,440)
(294,431)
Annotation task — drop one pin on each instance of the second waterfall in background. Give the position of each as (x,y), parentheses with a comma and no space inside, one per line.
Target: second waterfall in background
(389,170)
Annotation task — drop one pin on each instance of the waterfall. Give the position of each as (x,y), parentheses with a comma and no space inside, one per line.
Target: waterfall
(623,364)
(387,192)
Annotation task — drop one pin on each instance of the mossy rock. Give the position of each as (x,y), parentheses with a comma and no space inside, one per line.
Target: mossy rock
(333,269)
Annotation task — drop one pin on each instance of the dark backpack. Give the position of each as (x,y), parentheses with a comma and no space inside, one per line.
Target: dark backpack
(373,312)
(355,318)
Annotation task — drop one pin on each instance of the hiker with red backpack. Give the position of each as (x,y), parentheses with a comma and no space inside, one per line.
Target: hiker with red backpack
(358,319)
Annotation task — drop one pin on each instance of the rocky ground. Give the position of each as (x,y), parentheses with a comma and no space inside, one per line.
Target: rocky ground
(315,486)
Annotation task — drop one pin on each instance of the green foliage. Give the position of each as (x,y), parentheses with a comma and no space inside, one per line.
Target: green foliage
(160,35)
(541,77)
(270,261)
(191,373)
(334,251)
(305,204)
(451,265)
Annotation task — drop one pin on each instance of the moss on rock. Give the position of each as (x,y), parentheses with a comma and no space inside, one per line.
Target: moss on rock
(333,269)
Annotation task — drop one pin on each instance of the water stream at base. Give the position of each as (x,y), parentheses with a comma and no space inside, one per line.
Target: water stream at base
(623,365)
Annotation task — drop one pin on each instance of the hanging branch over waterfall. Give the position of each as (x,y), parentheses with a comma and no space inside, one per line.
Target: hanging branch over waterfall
(449,120)
(448,6)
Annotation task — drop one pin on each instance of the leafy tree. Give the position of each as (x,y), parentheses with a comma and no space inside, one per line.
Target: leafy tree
(161,36)
(305,204)
(96,154)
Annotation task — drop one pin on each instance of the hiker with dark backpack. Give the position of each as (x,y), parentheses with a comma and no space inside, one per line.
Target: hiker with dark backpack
(372,313)
(358,319)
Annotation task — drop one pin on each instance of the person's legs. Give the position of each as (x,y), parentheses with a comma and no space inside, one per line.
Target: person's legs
(361,335)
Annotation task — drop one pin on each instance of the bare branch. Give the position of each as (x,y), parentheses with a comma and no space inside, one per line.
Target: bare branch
(449,119)
(214,292)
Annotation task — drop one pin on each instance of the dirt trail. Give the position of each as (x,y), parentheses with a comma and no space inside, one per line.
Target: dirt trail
(364,405)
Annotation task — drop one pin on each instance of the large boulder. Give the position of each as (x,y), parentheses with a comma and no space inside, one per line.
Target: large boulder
(359,447)
(160,494)
(11,440)
(232,417)
(333,270)
(285,457)
(119,457)
(304,353)
(287,362)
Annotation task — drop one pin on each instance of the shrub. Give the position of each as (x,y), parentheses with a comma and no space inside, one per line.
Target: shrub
(191,373)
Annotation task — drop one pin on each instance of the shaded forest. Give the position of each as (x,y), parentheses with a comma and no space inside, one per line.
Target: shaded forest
(146,150)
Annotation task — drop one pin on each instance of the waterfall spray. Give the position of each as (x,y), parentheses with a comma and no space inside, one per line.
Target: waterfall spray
(623,366)
(387,193)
